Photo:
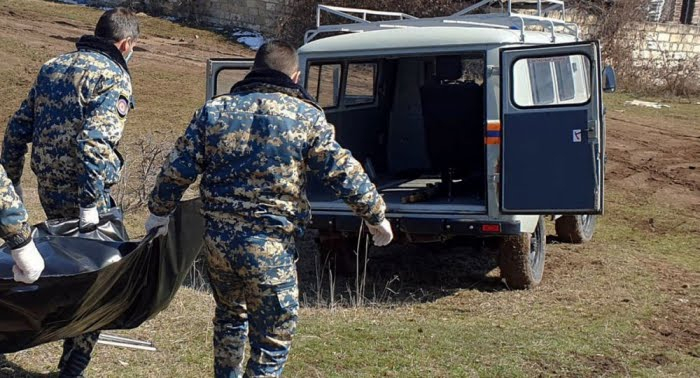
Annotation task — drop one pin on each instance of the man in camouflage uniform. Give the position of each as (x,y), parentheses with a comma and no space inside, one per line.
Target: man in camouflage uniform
(74,117)
(17,234)
(254,148)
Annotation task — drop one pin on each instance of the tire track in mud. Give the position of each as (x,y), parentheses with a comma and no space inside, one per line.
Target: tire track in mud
(656,162)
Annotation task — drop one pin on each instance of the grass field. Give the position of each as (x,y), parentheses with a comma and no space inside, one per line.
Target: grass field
(626,304)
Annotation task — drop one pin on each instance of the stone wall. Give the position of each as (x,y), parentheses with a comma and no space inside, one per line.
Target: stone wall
(658,40)
(258,15)
(670,41)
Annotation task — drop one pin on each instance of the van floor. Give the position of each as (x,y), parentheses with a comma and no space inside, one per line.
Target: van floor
(395,190)
(394,193)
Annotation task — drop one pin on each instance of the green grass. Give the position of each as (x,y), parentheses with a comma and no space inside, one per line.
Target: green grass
(625,304)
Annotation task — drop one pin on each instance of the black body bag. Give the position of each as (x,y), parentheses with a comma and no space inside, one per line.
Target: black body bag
(101,283)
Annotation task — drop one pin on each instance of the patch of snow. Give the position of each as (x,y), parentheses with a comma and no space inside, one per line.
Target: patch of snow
(74,2)
(83,3)
(253,43)
(251,39)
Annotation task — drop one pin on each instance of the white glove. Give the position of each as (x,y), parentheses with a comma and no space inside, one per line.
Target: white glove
(19,191)
(28,263)
(89,217)
(155,221)
(381,234)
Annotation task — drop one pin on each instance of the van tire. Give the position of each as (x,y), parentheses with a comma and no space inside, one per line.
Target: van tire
(521,258)
(576,229)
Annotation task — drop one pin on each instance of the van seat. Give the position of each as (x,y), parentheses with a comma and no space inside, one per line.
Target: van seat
(453,121)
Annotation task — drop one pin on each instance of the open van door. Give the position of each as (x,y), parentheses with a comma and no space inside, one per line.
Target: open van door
(553,134)
(223,73)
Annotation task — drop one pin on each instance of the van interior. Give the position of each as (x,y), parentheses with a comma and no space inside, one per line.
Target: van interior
(415,123)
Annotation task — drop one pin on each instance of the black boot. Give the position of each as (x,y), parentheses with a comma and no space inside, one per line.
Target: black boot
(74,365)
(67,348)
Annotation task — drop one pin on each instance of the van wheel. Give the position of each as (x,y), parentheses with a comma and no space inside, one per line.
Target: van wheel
(521,258)
(338,253)
(575,229)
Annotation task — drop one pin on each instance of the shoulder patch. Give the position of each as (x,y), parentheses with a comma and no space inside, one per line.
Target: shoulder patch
(122,106)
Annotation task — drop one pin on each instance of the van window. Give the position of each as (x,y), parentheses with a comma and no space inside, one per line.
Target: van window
(541,80)
(361,83)
(226,78)
(473,69)
(551,81)
(565,79)
(323,82)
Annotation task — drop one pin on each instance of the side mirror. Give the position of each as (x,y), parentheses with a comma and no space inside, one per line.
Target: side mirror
(609,79)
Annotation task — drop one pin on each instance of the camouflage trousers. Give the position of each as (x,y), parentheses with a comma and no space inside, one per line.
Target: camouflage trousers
(77,351)
(63,202)
(253,277)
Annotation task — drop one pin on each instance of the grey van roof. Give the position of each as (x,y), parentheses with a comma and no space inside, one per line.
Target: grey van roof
(423,39)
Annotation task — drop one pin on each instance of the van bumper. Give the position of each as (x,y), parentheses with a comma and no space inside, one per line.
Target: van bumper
(421,226)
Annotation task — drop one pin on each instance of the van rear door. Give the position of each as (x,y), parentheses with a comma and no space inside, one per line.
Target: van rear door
(552,145)
(223,73)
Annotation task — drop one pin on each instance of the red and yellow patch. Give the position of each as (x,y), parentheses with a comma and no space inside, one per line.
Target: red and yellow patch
(122,106)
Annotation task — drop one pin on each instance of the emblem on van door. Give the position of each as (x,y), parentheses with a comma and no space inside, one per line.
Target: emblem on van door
(577,135)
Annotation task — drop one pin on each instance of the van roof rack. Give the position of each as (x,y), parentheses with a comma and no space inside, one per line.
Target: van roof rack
(498,14)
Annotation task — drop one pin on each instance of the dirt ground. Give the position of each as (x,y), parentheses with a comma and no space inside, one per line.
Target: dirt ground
(655,158)
(644,256)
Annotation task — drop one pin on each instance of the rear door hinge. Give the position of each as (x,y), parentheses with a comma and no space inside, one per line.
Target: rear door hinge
(593,131)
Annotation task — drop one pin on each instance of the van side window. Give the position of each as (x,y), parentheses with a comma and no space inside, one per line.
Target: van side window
(361,84)
(226,78)
(473,69)
(323,83)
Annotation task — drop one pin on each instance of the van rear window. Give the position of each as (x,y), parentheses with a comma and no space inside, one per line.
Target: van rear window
(565,79)
(555,80)
(541,79)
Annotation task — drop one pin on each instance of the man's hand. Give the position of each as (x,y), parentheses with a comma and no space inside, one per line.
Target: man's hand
(155,221)
(381,233)
(89,218)
(28,263)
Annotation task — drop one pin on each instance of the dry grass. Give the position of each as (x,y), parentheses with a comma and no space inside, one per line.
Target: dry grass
(168,71)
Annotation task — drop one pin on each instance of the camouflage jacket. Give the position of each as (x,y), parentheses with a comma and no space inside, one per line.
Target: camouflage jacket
(74,117)
(254,148)
(13,217)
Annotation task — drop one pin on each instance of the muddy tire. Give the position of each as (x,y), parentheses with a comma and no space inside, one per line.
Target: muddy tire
(521,258)
(575,229)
